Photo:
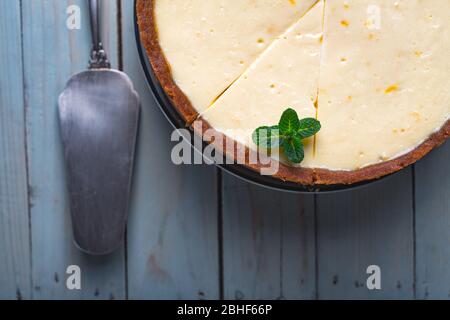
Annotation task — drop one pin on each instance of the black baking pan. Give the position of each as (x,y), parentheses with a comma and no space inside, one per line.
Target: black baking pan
(240,171)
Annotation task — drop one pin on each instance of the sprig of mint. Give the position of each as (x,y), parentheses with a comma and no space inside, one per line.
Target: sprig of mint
(288,135)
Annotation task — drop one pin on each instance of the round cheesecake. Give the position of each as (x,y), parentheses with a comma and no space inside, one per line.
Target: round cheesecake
(375,73)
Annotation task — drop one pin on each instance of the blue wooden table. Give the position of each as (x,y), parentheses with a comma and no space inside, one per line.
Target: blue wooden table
(194,232)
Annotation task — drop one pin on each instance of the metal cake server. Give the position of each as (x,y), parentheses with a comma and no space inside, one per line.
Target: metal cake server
(99,115)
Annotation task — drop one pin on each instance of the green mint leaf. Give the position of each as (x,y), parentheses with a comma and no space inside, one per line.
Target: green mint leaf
(293,149)
(308,128)
(288,134)
(289,123)
(267,137)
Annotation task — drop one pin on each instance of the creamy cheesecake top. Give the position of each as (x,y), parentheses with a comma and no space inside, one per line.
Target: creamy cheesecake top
(375,73)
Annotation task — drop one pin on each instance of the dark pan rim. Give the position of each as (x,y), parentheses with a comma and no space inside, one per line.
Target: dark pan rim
(240,171)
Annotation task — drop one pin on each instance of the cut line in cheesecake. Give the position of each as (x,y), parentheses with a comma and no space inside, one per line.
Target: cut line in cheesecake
(316,101)
(214,43)
(285,75)
(293,2)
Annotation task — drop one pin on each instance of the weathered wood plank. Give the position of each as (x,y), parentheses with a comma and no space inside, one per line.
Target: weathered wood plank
(52,53)
(172,234)
(370,226)
(15,267)
(433,225)
(269,244)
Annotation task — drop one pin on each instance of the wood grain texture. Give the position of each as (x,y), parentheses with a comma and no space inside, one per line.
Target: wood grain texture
(268,241)
(370,226)
(53,53)
(172,233)
(433,225)
(15,264)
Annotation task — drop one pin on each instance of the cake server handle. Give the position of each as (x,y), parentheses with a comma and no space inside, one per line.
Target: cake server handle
(99,58)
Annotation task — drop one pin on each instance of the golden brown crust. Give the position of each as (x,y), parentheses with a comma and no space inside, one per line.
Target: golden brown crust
(327,177)
(319,177)
(161,68)
(149,39)
(284,172)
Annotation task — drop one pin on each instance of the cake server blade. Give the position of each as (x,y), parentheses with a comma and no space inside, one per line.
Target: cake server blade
(99,114)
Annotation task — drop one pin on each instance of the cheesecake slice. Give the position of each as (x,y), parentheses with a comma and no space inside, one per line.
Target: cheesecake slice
(285,76)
